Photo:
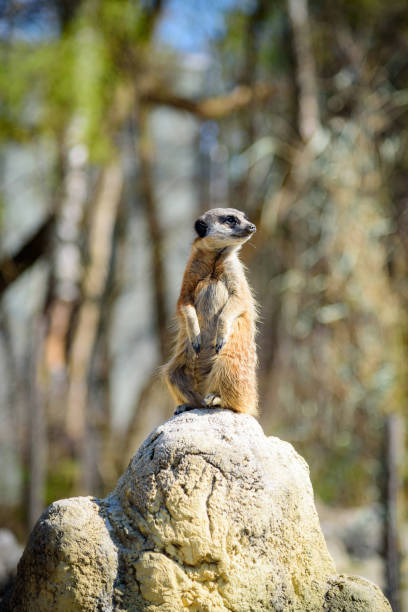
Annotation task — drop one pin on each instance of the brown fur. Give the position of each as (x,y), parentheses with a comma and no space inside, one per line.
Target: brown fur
(214,360)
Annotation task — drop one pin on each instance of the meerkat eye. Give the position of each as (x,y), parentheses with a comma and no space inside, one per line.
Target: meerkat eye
(231,220)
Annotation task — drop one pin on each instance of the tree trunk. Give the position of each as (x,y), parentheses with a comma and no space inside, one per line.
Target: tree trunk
(394,457)
(308,106)
(36,430)
(243,189)
(145,154)
(101,229)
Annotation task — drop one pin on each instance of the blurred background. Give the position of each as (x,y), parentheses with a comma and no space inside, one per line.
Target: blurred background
(123,120)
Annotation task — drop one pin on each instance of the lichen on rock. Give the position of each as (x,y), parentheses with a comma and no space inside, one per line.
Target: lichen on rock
(211,515)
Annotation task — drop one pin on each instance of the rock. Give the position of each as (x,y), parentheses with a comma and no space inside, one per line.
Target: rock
(210,516)
(354,594)
(70,561)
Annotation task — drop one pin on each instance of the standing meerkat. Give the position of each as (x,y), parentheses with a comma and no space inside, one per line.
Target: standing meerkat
(214,360)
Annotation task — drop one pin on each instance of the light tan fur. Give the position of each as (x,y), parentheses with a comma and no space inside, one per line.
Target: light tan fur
(214,360)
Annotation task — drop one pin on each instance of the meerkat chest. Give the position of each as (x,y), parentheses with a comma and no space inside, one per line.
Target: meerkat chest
(210,297)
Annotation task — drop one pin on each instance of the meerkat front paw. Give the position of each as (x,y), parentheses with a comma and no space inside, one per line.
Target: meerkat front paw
(212,401)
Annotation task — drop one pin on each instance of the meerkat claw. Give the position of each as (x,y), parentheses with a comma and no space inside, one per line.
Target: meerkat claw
(220,343)
(212,401)
(196,344)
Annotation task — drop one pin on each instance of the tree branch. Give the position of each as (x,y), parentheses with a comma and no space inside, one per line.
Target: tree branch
(11,268)
(214,107)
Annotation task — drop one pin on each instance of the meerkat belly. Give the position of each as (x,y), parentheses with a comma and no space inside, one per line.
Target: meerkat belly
(210,299)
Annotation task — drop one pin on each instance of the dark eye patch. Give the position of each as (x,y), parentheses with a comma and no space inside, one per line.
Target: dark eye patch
(231,220)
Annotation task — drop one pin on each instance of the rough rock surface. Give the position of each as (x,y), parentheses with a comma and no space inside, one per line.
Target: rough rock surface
(210,516)
(354,593)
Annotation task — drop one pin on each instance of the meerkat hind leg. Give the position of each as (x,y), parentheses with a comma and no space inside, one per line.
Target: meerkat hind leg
(234,390)
(181,386)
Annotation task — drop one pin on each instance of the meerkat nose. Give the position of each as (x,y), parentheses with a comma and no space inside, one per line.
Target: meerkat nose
(252,227)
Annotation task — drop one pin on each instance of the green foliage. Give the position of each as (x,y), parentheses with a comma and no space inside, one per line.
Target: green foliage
(62,479)
(338,317)
(72,78)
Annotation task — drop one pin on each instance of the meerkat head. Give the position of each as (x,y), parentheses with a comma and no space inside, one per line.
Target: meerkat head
(219,228)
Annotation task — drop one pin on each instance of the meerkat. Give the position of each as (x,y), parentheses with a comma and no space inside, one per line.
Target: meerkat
(214,361)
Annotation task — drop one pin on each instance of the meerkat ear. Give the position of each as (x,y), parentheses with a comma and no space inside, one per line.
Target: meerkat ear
(201,228)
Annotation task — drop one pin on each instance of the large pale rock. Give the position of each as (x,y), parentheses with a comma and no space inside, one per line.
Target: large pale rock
(210,516)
